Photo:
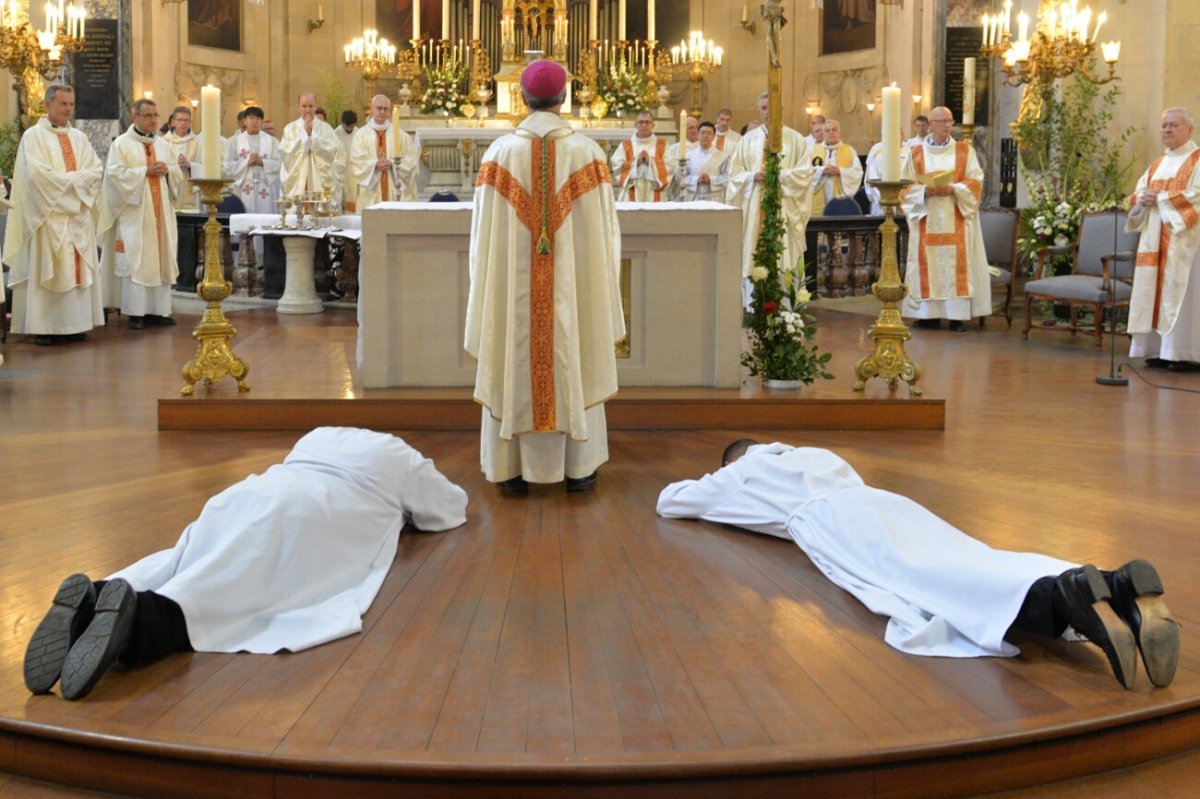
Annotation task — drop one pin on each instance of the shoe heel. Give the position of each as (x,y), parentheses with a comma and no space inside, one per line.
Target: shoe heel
(1094,588)
(1143,577)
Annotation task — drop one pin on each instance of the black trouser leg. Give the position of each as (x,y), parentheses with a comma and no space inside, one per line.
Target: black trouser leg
(159,629)
(1037,614)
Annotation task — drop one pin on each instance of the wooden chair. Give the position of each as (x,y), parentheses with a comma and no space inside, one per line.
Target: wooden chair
(1101,274)
(1000,227)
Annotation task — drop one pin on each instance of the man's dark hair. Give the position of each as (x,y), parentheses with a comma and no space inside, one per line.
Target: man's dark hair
(736,450)
(253,111)
(707,124)
(241,115)
(544,105)
(349,117)
(921,118)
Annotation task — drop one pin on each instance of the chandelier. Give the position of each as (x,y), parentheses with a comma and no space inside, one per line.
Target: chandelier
(699,57)
(371,55)
(1064,43)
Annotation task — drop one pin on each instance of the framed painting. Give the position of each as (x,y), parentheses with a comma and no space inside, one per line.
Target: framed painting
(215,23)
(847,25)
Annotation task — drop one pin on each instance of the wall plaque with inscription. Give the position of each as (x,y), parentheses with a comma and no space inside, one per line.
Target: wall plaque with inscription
(97,78)
(965,43)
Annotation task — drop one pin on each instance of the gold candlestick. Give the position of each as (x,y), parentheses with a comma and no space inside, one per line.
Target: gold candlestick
(215,358)
(889,361)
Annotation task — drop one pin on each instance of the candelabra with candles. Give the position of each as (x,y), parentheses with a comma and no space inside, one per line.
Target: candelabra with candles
(700,57)
(29,54)
(1064,43)
(371,55)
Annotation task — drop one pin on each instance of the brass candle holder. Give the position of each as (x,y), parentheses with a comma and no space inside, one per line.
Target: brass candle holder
(889,361)
(215,358)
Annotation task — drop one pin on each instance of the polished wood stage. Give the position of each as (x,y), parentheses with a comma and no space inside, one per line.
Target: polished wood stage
(579,645)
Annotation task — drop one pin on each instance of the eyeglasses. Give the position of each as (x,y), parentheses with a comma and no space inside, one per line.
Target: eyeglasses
(943,121)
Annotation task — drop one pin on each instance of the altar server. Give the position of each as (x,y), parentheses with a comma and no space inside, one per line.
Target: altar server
(745,190)
(285,560)
(137,221)
(944,593)
(372,150)
(253,162)
(50,241)
(544,308)
(643,163)
(1164,312)
(311,153)
(704,174)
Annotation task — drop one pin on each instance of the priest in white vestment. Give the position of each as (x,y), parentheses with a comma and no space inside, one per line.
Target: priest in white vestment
(253,162)
(285,560)
(643,163)
(1164,311)
(944,593)
(704,174)
(312,157)
(138,231)
(376,176)
(816,128)
(947,269)
(745,190)
(727,137)
(184,146)
(50,241)
(544,308)
(838,172)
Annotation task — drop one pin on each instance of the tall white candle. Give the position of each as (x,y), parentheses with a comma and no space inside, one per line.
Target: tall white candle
(682,135)
(210,132)
(395,130)
(416,31)
(649,19)
(593,19)
(445,18)
(474,19)
(1022,26)
(890,135)
(621,20)
(968,113)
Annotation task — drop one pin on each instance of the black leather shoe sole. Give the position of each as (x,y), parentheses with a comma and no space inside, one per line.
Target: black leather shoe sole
(1183,366)
(514,486)
(69,614)
(1083,596)
(1138,599)
(581,483)
(136,323)
(102,641)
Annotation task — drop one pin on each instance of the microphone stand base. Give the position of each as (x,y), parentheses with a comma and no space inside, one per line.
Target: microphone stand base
(1107,380)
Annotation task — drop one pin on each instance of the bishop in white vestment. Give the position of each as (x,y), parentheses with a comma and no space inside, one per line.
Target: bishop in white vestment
(284,560)
(947,269)
(745,190)
(253,162)
(544,308)
(372,149)
(1164,311)
(137,221)
(311,153)
(944,593)
(50,241)
(643,164)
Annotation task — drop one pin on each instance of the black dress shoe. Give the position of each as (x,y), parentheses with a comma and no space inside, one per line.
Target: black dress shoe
(1080,597)
(44,341)
(75,337)
(159,321)
(69,614)
(514,486)
(1158,363)
(581,483)
(103,640)
(1183,366)
(958,326)
(928,324)
(1137,597)
(136,322)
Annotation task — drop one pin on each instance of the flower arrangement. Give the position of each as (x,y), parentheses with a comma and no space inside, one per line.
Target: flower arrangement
(781,334)
(445,93)
(1051,220)
(623,87)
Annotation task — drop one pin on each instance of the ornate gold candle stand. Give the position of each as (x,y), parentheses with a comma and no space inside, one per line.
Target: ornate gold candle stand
(889,361)
(215,358)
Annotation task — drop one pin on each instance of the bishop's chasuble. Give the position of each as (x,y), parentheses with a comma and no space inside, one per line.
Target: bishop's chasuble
(310,160)
(370,143)
(137,225)
(947,270)
(50,241)
(1164,311)
(830,186)
(544,308)
(643,183)
(795,182)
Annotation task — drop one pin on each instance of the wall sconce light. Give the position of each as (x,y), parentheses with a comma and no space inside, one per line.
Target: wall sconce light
(313,24)
(916,99)
(747,23)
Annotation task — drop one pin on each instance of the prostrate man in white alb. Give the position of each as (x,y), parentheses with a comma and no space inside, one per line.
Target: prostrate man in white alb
(642,164)
(745,190)
(184,146)
(544,309)
(727,137)
(1164,311)
(253,162)
(310,153)
(285,560)
(50,241)
(372,149)
(137,221)
(947,273)
(946,594)
(704,174)
(839,173)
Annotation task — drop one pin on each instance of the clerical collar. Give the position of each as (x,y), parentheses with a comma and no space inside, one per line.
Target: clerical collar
(373,125)
(60,127)
(147,136)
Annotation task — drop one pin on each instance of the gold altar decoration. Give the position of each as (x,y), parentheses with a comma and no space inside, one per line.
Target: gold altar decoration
(480,73)
(32,56)
(1063,44)
(408,71)
(698,57)
(889,361)
(599,108)
(371,55)
(214,359)
(529,29)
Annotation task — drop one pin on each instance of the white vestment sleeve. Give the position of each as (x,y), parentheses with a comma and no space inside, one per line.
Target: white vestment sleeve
(433,502)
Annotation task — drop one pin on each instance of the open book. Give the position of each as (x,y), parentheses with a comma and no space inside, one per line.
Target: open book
(943,178)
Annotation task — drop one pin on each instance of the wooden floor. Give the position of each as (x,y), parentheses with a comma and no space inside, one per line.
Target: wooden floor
(580,645)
